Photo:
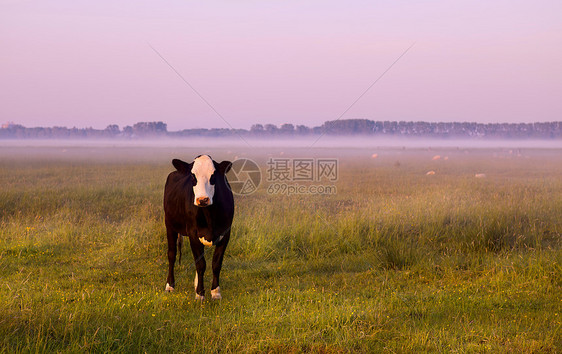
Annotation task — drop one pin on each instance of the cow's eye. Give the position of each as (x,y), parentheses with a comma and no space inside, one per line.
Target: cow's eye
(193,179)
(213,178)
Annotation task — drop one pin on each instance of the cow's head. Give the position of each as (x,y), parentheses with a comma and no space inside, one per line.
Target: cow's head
(204,174)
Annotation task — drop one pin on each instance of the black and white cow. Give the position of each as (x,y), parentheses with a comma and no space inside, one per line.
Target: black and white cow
(198,203)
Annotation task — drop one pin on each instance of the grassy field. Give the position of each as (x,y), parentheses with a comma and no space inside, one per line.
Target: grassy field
(395,261)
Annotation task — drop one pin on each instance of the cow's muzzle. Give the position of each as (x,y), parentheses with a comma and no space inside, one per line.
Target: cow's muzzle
(202,201)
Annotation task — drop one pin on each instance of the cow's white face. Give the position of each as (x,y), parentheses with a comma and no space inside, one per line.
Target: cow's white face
(204,187)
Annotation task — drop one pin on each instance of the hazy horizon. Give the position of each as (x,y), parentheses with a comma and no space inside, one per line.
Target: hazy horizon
(81,64)
(309,143)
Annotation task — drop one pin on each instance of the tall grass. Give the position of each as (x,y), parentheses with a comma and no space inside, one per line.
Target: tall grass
(396,260)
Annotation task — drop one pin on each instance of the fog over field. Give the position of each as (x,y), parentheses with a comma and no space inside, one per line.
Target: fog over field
(316,141)
(374,151)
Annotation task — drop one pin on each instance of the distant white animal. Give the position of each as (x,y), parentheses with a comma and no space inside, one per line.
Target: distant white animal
(480,175)
(430,173)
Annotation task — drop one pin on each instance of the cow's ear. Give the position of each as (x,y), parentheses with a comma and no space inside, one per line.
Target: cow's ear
(181,166)
(224,167)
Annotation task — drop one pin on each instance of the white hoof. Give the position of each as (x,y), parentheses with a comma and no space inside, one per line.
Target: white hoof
(169,288)
(195,281)
(199,297)
(216,293)
(205,242)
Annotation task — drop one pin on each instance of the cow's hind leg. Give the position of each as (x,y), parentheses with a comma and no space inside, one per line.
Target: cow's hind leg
(172,249)
(217,265)
(198,251)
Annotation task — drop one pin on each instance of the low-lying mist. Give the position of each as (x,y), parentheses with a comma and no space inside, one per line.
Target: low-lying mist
(232,148)
(313,141)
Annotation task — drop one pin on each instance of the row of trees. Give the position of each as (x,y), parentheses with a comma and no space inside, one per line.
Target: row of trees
(141,129)
(445,130)
(546,130)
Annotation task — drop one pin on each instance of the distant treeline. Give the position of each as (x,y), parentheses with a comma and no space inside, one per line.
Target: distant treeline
(546,130)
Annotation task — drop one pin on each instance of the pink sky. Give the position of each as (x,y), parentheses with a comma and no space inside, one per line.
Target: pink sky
(84,63)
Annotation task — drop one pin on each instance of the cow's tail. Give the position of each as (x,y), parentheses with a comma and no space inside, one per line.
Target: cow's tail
(179,243)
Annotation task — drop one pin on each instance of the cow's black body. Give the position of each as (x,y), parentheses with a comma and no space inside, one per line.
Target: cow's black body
(183,218)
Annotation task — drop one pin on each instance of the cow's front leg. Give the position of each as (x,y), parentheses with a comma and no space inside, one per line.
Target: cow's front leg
(172,249)
(198,251)
(217,265)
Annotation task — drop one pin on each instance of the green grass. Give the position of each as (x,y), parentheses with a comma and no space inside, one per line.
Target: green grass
(395,261)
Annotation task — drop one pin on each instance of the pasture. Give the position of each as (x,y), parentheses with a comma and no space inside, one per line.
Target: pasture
(396,260)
